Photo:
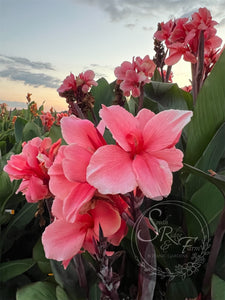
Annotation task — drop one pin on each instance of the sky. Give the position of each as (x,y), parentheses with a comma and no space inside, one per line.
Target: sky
(42,41)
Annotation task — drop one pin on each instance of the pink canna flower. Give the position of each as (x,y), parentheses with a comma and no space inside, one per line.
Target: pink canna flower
(132,83)
(131,76)
(165,31)
(68,173)
(62,239)
(47,120)
(187,89)
(86,80)
(32,166)
(145,66)
(177,50)
(59,116)
(145,155)
(69,84)
(120,72)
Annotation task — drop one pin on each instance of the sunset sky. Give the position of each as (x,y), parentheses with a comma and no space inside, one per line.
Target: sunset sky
(42,41)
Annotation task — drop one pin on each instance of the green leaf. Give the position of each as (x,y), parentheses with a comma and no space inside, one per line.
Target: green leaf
(209,160)
(217,179)
(3,145)
(5,187)
(38,291)
(168,95)
(61,294)
(22,218)
(209,113)
(19,126)
(68,279)
(14,268)
(156,76)
(182,289)
(95,293)
(132,105)
(103,94)
(39,256)
(209,201)
(220,262)
(218,288)
(55,133)
(30,131)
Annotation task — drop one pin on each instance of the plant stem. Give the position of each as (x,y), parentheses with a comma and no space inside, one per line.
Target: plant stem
(141,98)
(218,237)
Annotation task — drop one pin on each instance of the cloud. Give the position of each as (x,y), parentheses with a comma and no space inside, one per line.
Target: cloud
(9,60)
(14,104)
(162,10)
(24,70)
(130,26)
(29,78)
(148,28)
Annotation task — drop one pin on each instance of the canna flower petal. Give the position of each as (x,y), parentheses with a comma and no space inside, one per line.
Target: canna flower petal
(62,240)
(110,170)
(75,162)
(34,189)
(164,130)
(153,176)
(80,194)
(80,132)
(172,156)
(113,117)
(143,117)
(105,215)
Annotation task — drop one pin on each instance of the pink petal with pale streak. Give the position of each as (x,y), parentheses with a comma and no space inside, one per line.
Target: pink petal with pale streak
(105,215)
(120,122)
(66,262)
(31,153)
(57,208)
(164,129)
(59,185)
(153,176)
(17,167)
(75,162)
(33,189)
(88,242)
(62,240)
(80,195)
(101,127)
(80,132)
(143,117)
(172,156)
(110,170)
(116,238)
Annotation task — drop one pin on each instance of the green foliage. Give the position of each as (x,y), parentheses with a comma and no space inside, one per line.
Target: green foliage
(14,268)
(209,113)
(103,94)
(38,291)
(218,288)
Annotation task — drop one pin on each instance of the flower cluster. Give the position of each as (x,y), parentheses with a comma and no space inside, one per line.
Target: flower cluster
(32,167)
(47,120)
(78,207)
(131,76)
(182,36)
(90,179)
(83,82)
